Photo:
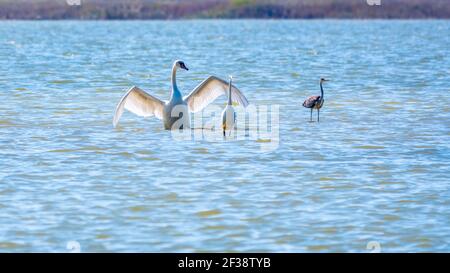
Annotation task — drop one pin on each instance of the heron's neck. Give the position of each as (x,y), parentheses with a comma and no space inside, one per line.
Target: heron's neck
(229,95)
(321,91)
(175,91)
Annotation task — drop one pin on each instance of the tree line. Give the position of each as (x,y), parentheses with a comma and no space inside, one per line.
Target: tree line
(177,9)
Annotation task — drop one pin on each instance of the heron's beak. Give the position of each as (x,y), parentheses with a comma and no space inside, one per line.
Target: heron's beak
(184,67)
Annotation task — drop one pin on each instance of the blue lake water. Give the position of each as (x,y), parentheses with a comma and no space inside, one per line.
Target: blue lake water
(375,169)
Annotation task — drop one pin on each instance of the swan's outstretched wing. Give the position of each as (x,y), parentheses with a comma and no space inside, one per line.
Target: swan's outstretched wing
(140,103)
(209,90)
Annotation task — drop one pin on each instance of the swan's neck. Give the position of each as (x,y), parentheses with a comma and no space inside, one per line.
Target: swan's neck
(229,94)
(175,91)
(321,91)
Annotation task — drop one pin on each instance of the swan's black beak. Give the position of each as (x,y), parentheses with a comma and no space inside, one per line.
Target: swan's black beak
(182,65)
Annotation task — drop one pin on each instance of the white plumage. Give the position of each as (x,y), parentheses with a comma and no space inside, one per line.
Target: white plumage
(209,90)
(143,104)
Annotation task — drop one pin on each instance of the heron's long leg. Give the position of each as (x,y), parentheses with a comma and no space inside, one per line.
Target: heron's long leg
(310,119)
(318,114)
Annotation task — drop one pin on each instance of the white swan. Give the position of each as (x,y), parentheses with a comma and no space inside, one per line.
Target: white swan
(228,114)
(175,113)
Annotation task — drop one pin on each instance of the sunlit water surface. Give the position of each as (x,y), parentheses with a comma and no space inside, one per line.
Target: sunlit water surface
(376,168)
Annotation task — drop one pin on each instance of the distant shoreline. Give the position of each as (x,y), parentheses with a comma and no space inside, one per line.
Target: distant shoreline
(222,9)
(226,19)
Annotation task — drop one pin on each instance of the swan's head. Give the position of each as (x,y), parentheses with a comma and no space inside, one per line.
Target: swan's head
(180,64)
(323,80)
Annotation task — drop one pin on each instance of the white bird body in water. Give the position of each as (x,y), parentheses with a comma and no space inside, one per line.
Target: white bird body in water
(228,114)
(315,102)
(175,113)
